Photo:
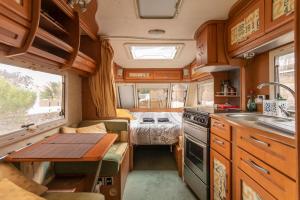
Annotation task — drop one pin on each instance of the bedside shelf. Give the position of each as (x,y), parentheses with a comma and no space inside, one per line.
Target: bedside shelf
(227,96)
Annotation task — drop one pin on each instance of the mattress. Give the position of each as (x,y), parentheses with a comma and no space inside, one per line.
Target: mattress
(155,133)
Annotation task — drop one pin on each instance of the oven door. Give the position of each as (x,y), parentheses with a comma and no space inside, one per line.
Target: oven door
(196,157)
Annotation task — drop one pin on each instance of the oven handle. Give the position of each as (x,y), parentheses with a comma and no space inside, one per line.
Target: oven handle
(194,141)
(194,126)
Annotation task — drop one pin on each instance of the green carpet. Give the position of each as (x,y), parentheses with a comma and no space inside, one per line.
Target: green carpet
(155,177)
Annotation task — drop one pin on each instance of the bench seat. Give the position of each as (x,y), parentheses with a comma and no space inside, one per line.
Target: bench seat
(113,158)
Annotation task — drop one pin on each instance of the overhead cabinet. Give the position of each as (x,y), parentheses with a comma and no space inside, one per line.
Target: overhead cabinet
(51,38)
(210,44)
(247,26)
(258,24)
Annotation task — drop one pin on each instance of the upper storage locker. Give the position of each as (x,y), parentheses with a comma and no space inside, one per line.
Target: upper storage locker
(52,36)
(259,25)
(15,20)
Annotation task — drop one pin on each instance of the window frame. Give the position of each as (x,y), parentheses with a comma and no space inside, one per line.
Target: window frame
(26,133)
(287,49)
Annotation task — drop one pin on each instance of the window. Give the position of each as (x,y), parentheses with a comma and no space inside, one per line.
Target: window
(205,93)
(179,92)
(283,69)
(152,97)
(154,51)
(29,97)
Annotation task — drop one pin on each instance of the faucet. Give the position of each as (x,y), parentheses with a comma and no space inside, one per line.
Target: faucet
(287,113)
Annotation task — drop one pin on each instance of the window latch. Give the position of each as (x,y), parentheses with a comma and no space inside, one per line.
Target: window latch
(27,125)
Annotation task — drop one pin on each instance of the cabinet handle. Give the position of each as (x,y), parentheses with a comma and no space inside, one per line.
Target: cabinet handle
(257,167)
(219,125)
(259,141)
(218,142)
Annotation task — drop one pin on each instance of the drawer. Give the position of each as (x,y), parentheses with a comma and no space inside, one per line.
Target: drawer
(279,185)
(220,145)
(274,153)
(221,129)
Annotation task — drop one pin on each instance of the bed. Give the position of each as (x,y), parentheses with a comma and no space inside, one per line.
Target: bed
(156,132)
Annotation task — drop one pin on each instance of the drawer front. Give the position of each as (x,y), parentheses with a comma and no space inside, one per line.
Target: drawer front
(220,129)
(221,146)
(279,185)
(248,189)
(274,153)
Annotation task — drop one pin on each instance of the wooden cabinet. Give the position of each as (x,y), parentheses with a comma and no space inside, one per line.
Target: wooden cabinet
(248,189)
(247,26)
(210,44)
(220,177)
(278,13)
(221,145)
(152,75)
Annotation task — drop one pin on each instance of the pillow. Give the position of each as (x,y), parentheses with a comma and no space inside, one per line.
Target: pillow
(8,171)
(98,128)
(67,130)
(9,191)
(124,113)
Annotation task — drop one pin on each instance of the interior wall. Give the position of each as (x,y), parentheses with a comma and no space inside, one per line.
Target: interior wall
(88,107)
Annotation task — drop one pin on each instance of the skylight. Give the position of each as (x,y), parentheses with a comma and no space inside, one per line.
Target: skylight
(153,52)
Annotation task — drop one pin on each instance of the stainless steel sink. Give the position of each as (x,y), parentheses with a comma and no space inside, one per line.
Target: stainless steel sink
(245,116)
(286,125)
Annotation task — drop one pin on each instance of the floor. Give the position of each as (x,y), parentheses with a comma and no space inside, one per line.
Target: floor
(155,177)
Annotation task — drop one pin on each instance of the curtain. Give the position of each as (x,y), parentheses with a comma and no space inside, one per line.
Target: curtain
(102,83)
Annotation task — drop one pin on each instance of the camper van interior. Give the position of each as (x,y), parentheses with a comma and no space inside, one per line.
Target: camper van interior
(149,99)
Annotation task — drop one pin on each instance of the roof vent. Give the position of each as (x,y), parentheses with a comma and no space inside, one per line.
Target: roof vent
(156,31)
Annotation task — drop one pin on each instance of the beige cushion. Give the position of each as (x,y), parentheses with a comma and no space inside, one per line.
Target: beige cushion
(97,128)
(73,196)
(67,130)
(10,191)
(8,171)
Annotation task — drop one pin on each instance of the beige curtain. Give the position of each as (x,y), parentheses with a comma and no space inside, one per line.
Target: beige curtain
(102,83)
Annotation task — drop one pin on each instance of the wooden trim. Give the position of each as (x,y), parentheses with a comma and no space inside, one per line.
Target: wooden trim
(75,39)
(297,68)
(239,7)
(156,110)
(36,7)
(204,25)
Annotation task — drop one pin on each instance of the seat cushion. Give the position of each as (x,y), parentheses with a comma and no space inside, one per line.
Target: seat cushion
(8,171)
(113,158)
(97,128)
(73,196)
(9,191)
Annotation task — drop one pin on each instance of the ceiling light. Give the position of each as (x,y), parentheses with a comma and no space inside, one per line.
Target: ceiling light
(158,9)
(154,52)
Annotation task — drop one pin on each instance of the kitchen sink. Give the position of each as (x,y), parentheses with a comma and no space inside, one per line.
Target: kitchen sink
(245,116)
(287,125)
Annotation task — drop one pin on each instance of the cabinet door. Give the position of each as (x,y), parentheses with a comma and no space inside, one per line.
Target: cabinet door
(220,177)
(248,189)
(247,26)
(278,13)
(201,56)
(20,7)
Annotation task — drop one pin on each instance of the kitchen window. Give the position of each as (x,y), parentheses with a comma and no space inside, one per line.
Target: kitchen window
(283,71)
(152,96)
(179,92)
(29,98)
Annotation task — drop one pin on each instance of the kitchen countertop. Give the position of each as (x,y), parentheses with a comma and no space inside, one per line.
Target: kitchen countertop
(264,130)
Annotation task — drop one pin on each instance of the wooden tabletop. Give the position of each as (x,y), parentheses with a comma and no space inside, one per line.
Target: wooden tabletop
(96,153)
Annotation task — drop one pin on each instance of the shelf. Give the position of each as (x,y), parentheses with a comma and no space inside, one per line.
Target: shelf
(51,25)
(49,38)
(227,96)
(47,55)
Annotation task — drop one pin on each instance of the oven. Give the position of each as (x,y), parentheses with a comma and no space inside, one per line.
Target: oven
(196,157)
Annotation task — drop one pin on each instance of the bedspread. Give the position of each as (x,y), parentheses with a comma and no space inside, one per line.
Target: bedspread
(157,133)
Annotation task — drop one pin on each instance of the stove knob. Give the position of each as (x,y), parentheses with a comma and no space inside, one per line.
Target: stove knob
(202,120)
